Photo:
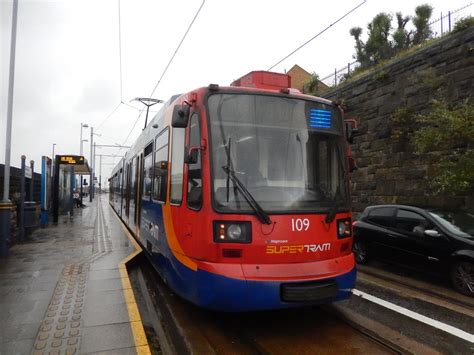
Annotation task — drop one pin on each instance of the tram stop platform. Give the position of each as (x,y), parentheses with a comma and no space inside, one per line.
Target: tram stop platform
(66,289)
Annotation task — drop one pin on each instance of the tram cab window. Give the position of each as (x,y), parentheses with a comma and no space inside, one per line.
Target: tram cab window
(194,170)
(177,165)
(147,171)
(160,167)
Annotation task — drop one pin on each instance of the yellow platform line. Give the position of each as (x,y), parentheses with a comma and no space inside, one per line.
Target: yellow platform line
(139,337)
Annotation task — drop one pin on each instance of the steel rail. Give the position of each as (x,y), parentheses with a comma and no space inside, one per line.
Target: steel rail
(432,293)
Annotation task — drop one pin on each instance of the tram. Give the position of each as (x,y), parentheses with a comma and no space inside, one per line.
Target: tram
(240,196)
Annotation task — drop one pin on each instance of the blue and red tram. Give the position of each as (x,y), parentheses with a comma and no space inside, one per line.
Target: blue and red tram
(240,196)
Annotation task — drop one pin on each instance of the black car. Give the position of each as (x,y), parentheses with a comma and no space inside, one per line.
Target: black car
(418,238)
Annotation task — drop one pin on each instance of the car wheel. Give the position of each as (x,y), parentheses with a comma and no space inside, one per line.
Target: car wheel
(462,277)
(360,252)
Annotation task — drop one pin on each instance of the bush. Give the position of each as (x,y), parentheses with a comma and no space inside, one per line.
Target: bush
(449,128)
(463,24)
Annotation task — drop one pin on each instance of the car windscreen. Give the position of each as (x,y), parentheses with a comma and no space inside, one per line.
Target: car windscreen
(462,224)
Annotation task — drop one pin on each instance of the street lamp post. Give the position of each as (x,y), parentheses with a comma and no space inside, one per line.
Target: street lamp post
(94,177)
(83,125)
(100,175)
(82,176)
(91,181)
(52,158)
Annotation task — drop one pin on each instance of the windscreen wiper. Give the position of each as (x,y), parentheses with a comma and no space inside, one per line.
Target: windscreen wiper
(334,207)
(259,212)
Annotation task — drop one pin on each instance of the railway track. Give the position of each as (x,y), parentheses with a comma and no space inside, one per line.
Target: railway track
(175,326)
(442,294)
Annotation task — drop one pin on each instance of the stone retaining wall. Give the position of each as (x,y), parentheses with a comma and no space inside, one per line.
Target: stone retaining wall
(389,170)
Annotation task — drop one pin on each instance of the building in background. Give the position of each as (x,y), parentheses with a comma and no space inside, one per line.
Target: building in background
(300,79)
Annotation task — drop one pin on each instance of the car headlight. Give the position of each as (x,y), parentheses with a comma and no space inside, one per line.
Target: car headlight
(344,229)
(232,232)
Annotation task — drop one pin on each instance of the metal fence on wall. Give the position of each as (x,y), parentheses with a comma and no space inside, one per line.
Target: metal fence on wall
(15,176)
(439,27)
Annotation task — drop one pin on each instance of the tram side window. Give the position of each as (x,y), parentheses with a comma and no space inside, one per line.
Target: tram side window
(194,170)
(160,167)
(133,178)
(120,182)
(147,171)
(177,166)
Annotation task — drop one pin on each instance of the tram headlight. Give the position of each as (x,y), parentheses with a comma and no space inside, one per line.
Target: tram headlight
(344,228)
(232,232)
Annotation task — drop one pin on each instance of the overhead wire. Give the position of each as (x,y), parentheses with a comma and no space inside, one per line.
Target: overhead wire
(177,48)
(108,116)
(120,67)
(129,133)
(167,66)
(317,35)
(120,49)
(110,139)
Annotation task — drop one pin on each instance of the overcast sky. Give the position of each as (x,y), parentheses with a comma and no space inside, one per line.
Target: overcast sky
(68,64)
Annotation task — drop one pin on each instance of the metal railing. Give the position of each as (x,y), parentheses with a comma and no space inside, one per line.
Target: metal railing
(334,78)
(439,27)
(445,23)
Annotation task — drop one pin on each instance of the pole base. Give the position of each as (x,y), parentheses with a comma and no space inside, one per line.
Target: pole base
(5,227)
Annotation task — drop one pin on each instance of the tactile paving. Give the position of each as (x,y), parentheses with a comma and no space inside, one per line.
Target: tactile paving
(60,331)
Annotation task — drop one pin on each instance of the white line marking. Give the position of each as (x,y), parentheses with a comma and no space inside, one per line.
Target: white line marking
(406,312)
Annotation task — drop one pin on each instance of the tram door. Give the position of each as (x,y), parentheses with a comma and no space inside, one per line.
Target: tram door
(127,191)
(186,190)
(138,194)
(133,193)
(120,192)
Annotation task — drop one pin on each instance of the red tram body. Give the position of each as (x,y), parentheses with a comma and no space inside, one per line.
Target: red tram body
(240,196)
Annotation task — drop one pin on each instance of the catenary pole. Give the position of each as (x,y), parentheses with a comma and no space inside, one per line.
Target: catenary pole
(91,181)
(5,204)
(11,81)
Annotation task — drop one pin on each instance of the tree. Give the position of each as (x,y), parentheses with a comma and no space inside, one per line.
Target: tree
(360,47)
(421,22)
(401,37)
(449,128)
(382,45)
(312,85)
(378,46)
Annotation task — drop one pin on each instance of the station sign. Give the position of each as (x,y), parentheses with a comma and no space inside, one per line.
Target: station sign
(71,159)
(28,172)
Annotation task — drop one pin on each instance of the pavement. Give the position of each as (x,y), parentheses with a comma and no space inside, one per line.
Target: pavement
(66,289)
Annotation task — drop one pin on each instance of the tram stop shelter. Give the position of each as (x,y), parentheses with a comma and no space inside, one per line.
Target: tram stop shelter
(66,168)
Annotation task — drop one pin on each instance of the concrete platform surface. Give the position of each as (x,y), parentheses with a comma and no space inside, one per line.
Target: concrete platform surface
(66,289)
